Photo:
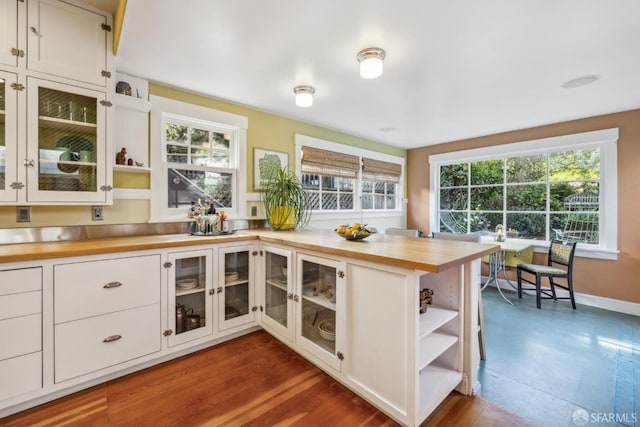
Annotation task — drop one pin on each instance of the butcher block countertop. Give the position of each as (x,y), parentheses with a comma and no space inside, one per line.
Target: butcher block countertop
(407,252)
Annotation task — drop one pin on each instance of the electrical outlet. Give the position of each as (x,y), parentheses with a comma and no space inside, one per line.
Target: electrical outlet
(254,211)
(23,213)
(97,213)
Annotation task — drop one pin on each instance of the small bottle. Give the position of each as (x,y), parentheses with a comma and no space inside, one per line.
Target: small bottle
(212,208)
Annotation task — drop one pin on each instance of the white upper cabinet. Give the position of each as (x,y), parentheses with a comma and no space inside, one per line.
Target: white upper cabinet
(9,32)
(68,41)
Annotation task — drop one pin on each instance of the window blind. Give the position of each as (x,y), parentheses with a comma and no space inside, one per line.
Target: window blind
(329,163)
(378,170)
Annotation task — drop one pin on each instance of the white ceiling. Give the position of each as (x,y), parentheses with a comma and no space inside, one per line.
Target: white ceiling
(454,69)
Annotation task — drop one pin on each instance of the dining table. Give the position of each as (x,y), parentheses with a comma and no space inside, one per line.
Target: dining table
(512,249)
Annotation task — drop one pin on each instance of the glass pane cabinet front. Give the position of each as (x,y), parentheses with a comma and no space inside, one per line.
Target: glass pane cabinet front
(67,141)
(190,294)
(318,301)
(276,285)
(236,284)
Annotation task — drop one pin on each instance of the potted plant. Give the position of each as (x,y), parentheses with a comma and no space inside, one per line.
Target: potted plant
(286,203)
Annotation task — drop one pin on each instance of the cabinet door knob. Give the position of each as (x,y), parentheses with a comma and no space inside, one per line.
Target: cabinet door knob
(296,298)
(112,285)
(112,338)
(220,290)
(290,295)
(34,31)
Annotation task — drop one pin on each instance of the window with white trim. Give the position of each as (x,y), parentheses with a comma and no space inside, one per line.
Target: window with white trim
(562,187)
(198,159)
(340,178)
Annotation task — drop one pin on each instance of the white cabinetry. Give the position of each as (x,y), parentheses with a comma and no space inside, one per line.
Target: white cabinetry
(276,292)
(236,300)
(9,32)
(68,41)
(20,331)
(190,292)
(55,104)
(8,137)
(439,340)
(305,312)
(106,312)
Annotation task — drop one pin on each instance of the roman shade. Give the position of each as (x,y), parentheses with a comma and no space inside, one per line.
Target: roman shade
(379,171)
(329,163)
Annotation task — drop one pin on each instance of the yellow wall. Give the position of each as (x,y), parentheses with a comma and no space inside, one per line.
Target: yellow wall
(265,131)
(271,131)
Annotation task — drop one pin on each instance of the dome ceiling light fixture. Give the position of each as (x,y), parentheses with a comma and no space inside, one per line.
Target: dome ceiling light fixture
(304,96)
(580,81)
(370,60)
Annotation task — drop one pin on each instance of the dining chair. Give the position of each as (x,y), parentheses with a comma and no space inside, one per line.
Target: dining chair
(561,254)
(469,238)
(402,232)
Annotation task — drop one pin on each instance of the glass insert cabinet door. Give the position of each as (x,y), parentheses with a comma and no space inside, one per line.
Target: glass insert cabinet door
(8,138)
(190,308)
(235,292)
(319,298)
(66,146)
(277,291)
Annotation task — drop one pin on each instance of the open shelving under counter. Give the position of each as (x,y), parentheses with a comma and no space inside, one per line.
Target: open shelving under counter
(436,383)
(434,318)
(432,346)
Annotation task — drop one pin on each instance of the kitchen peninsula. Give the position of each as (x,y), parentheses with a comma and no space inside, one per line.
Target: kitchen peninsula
(97,309)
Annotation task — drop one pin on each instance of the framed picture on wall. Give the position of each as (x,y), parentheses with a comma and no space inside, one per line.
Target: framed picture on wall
(263,159)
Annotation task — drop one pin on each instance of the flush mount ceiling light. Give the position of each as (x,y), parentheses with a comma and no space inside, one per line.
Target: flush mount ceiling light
(304,95)
(370,60)
(580,81)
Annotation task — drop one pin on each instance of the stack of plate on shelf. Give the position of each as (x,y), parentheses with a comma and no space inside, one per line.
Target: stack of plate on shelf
(327,329)
(185,284)
(230,276)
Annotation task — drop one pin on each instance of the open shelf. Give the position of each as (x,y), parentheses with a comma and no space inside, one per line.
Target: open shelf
(435,384)
(132,103)
(432,346)
(434,318)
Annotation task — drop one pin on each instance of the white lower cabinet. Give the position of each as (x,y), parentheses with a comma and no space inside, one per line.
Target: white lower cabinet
(99,342)
(106,312)
(403,362)
(20,331)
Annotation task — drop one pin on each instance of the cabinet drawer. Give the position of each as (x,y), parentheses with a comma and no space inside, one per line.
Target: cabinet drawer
(20,335)
(20,304)
(20,375)
(81,348)
(21,280)
(98,287)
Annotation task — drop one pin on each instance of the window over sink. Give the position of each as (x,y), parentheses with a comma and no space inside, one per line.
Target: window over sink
(199,151)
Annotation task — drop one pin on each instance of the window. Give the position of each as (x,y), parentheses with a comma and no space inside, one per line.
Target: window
(198,159)
(348,179)
(538,190)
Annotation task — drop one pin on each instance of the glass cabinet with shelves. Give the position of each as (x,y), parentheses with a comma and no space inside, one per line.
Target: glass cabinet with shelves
(66,152)
(319,316)
(236,304)
(277,291)
(190,289)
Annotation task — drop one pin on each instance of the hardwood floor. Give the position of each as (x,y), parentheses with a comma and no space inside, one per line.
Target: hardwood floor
(254,380)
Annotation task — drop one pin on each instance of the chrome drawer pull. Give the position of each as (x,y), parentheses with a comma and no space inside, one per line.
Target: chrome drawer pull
(112,338)
(112,285)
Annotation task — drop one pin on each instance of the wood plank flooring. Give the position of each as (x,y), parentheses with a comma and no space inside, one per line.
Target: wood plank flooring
(251,381)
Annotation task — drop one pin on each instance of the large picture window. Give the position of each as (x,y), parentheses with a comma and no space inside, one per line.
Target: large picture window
(561,188)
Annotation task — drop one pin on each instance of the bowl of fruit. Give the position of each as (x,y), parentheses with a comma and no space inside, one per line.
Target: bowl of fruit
(355,231)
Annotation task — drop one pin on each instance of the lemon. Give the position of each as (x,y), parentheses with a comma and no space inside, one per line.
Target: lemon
(355,226)
(341,230)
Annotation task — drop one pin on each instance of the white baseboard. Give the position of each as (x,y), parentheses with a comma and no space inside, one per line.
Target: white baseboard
(477,389)
(604,303)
